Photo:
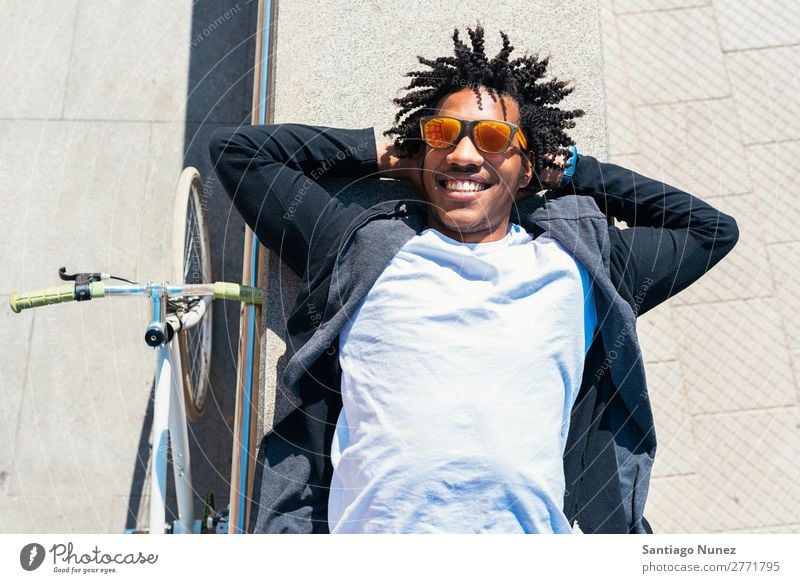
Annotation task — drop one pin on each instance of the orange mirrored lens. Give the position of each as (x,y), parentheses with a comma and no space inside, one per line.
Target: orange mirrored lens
(442,132)
(491,136)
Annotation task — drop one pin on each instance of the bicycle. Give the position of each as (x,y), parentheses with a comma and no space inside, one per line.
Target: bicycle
(180,331)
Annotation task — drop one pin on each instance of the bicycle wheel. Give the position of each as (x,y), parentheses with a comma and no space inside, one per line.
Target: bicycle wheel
(191,263)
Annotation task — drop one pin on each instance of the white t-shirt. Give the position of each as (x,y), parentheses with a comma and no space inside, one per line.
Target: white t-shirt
(459,371)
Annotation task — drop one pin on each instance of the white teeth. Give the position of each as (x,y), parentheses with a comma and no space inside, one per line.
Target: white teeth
(464,185)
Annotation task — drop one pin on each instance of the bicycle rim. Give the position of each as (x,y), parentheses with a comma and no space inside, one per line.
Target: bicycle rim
(192,264)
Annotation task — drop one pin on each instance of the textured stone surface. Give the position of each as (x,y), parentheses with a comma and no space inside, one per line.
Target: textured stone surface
(61,512)
(748,466)
(344,69)
(775,169)
(108,77)
(621,115)
(676,448)
(625,6)
(662,67)
(765,85)
(679,504)
(697,143)
(734,356)
(748,25)
(36,53)
(657,335)
(783,259)
(744,273)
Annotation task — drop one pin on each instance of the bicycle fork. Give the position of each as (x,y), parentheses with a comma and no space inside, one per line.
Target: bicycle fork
(169,428)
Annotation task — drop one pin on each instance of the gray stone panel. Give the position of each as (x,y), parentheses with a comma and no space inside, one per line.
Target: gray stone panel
(734,356)
(748,467)
(698,143)
(660,50)
(775,169)
(677,452)
(748,24)
(744,272)
(36,54)
(122,48)
(765,84)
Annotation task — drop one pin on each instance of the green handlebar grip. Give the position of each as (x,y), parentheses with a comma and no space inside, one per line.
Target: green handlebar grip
(97,289)
(42,297)
(239,293)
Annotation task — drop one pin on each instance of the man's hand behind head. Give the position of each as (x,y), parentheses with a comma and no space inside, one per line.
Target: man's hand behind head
(548,179)
(391,165)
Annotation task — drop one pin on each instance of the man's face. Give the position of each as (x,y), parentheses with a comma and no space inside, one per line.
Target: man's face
(471,192)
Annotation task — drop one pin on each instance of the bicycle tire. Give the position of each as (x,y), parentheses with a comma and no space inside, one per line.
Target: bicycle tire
(191,263)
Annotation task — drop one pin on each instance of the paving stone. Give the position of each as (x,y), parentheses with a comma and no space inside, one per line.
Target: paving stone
(629,161)
(766,85)
(222,47)
(734,356)
(163,167)
(680,505)
(15,336)
(75,434)
(745,272)
(120,80)
(36,55)
(783,259)
(796,366)
(676,449)
(766,23)
(622,128)
(777,529)
(125,514)
(624,6)
(63,512)
(697,146)
(79,198)
(748,460)
(775,170)
(659,49)
(657,336)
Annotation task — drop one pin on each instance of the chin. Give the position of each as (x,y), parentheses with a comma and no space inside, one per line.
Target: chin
(463,221)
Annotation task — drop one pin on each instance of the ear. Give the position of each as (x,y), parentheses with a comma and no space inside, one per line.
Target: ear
(525,179)
(526,174)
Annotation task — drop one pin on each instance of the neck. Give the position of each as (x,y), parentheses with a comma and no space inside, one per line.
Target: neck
(479,236)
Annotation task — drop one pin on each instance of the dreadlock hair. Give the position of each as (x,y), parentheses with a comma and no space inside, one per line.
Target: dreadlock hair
(541,121)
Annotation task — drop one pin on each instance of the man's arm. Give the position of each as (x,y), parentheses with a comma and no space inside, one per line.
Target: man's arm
(673,237)
(391,165)
(271,172)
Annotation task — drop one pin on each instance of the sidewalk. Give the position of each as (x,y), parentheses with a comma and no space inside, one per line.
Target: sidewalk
(704,95)
(96,127)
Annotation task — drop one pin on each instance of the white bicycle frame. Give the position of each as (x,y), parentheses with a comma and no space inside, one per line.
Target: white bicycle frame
(170,430)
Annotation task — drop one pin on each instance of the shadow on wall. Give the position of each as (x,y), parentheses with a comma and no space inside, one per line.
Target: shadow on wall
(219,94)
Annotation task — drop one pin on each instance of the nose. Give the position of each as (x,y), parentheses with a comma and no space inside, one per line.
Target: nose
(465,154)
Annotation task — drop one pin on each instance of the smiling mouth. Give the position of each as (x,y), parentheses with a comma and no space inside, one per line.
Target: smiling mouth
(463,185)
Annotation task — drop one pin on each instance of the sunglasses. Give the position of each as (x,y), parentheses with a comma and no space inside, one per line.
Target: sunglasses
(489,135)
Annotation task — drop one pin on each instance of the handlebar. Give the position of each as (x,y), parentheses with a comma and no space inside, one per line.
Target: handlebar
(97,289)
(42,297)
